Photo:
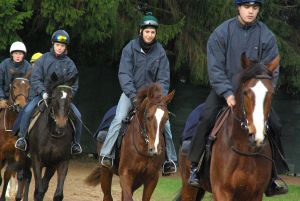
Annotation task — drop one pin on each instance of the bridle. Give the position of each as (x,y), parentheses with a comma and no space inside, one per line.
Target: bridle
(52,115)
(243,120)
(143,128)
(14,106)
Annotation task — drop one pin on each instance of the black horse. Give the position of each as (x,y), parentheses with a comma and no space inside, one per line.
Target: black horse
(50,140)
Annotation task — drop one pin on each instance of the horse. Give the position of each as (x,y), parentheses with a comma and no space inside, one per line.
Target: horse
(142,149)
(18,94)
(241,157)
(51,137)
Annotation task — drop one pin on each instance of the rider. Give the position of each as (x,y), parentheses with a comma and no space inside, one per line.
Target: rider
(143,61)
(54,61)
(35,57)
(15,62)
(243,33)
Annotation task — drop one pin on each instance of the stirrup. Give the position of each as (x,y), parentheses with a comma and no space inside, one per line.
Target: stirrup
(112,162)
(80,149)
(25,143)
(168,173)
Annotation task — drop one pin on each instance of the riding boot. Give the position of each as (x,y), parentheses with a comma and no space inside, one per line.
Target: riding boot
(169,167)
(275,188)
(194,179)
(21,143)
(76,148)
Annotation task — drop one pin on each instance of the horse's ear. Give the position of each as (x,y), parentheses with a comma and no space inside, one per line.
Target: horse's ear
(72,80)
(28,74)
(274,63)
(54,77)
(245,62)
(168,98)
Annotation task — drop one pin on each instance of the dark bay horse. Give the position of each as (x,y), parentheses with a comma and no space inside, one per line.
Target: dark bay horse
(143,148)
(18,95)
(240,166)
(50,140)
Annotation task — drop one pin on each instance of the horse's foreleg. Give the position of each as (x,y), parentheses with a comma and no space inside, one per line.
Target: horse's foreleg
(221,195)
(62,171)
(126,182)
(7,175)
(149,187)
(106,181)
(26,183)
(37,173)
(49,172)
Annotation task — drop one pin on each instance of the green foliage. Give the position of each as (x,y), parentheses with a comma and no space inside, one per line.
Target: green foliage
(185,26)
(12,18)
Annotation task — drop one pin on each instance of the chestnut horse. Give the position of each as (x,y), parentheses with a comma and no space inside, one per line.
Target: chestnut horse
(50,139)
(241,158)
(18,95)
(142,150)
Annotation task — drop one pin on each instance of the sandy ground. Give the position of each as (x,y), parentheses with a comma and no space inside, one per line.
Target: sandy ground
(76,190)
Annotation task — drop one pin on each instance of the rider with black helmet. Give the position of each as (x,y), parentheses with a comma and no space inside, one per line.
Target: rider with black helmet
(243,33)
(54,61)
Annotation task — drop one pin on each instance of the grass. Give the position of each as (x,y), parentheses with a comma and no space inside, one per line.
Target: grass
(167,189)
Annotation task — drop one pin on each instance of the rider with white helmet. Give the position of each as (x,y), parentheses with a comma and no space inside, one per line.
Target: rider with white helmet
(16,62)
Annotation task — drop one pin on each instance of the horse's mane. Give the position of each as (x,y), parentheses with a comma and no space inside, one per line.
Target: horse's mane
(255,70)
(153,92)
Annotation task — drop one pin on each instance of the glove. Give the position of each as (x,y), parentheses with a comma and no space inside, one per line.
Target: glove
(45,96)
(3,103)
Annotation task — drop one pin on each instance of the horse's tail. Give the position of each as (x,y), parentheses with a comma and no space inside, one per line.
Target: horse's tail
(94,177)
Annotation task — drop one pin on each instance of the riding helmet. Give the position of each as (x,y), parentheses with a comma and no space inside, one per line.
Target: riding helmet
(35,56)
(60,36)
(149,21)
(18,46)
(240,2)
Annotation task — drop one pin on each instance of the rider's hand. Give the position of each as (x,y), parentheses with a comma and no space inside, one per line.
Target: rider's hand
(230,101)
(3,103)
(45,96)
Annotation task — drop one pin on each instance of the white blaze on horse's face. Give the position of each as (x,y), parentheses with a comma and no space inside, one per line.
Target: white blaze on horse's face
(64,95)
(159,113)
(260,91)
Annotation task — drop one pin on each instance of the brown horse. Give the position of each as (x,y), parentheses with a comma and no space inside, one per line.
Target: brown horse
(240,166)
(17,99)
(142,150)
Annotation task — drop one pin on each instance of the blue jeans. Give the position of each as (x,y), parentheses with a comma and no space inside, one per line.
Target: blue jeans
(29,109)
(123,108)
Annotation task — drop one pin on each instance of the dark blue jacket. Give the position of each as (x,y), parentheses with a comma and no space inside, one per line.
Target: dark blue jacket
(138,69)
(6,77)
(44,67)
(226,45)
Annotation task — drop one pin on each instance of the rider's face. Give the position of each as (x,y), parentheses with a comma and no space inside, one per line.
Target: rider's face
(148,34)
(248,13)
(18,56)
(59,48)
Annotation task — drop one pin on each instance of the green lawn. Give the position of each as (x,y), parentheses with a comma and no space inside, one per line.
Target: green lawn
(168,187)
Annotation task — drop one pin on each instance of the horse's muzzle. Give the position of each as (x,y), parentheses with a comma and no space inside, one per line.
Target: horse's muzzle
(152,152)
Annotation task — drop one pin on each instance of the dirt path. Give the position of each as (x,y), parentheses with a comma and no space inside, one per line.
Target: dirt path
(76,190)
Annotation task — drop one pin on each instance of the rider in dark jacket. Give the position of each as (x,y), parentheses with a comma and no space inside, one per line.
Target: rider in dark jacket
(17,63)
(143,62)
(54,61)
(225,46)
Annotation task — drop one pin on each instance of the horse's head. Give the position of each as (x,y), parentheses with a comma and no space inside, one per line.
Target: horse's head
(19,88)
(254,97)
(153,114)
(60,105)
